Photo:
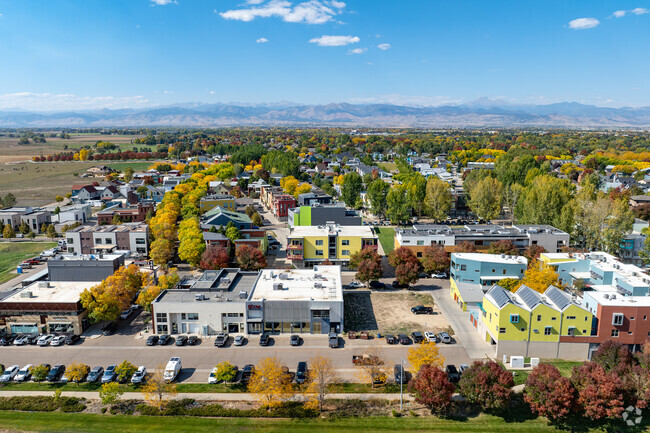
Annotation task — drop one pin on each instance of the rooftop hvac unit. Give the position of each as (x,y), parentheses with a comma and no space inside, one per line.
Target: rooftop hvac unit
(317,276)
(606,296)
(243,294)
(284,276)
(199,297)
(277,286)
(26,294)
(225,280)
(43,285)
(613,297)
(318,285)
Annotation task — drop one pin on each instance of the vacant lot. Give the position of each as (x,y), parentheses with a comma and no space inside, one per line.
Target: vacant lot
(390,313)
(12,253)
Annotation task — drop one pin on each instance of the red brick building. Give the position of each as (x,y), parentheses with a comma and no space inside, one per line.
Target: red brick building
(131,214)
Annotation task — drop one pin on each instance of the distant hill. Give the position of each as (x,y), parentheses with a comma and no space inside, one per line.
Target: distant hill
(482,112)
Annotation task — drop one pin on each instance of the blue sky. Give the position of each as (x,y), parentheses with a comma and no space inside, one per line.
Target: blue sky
(63,54)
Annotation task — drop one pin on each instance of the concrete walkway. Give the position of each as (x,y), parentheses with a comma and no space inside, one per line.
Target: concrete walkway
(459,320)
(205,396)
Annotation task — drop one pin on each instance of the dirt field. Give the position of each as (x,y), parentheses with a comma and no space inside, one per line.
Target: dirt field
(390,313)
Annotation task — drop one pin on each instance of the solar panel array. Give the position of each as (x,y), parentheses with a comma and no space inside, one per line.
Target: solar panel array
(500,296)
(530,297)
(558,297)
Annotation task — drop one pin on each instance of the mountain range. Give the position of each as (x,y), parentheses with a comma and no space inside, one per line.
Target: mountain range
(481,113)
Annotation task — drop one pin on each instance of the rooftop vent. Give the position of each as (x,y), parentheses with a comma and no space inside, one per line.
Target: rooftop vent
(318,285)
(284,276)
(277,286)
(199,297)
(606,296)
(43,285)
(243,294)
(26,294)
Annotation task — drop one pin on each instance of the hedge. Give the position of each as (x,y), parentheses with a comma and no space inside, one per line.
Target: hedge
(188,407)
(42,404)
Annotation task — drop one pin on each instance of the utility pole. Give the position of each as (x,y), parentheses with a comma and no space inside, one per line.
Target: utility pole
(401,384)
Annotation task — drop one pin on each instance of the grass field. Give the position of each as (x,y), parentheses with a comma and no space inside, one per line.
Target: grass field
(387,239)
(12,253)
(56,422)
(388,166)
(565,368)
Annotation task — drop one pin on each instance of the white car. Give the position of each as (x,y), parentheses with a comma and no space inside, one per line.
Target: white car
(24,373)
(439,275)
(139,375)
(125,314)
(9,373)
(59,340)
(239,340)
(21,340)
(431,337)
(213,376)
(45,340)
(356,285)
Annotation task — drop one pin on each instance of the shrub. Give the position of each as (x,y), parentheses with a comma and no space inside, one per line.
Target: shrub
(42,404)
(487,384)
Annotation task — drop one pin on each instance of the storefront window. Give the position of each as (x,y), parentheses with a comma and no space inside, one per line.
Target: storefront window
(316,328)
(61,327)
(161,329)
(24,329)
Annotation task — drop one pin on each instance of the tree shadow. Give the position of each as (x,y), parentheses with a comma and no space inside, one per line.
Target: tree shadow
(358,312)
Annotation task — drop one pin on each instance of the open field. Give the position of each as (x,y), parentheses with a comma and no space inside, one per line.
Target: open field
(11,151)
(37,184)
(12,253)
(95,423)
(387,238)
(390,313)
(388,166)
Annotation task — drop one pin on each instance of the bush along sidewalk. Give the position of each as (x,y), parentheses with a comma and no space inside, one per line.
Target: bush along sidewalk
(188,407)
(43,404)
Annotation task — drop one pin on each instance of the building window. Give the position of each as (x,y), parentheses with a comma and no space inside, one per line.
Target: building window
(70,250)
(319,252)
(69,240)
(420,242)
(570,317)
(463,267)
(161,329)
(504,272)
(140,241)
(614,332)
(494,270)
(502,330)
(192,316)
(539,317)
(140,250)
(161,317)
(629,332)
(418,254)
(345,242)
(323,314)
(617,319)
(345,252)
(547,330)
(631,317)
(514,318)
(553,318)
(98,241)
(319,242)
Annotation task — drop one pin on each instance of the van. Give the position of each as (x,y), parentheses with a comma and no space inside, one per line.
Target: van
(172,369)
(333,340)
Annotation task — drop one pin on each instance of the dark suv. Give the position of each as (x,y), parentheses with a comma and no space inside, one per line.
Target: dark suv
(421,309)
(55,373)
(301,372)
(264,339)
(246,373)
(452,373)
(417,337)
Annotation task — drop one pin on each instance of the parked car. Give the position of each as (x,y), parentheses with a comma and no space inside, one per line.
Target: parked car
(59,340)
(33,338)
(55,373)
(264,339)
(301,372)
(125,314)
(21,340)
(192,340)
(390,339)
(110,328)
(333,340)
(400,374)
(421,309)
(355,285)
(444,337)
(152,340)
(164,339)
(396,284)
(417,337)
(139,375)
(403,339)
(212,378)
(221,339)
(240,340)
(294,340)
(431,337)
(9,373)
(377,285)
(462,368)
(95,374)
(24,373)
(7,340)
(72,339)
(109,374)
(452,374)
(439,275)
(45,340)
(181,340)
(246,373)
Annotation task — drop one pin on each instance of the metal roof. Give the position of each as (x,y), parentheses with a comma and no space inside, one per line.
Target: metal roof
(530,297)
(558,297)
(500,295)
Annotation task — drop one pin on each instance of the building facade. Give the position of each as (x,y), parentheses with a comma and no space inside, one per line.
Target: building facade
(133,237)
(317,215)
(486,269)
(224,201)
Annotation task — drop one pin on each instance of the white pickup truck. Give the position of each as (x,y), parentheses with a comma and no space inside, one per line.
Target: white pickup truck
(172,369)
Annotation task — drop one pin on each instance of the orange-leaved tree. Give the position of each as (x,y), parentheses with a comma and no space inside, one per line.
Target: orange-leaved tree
(270,383)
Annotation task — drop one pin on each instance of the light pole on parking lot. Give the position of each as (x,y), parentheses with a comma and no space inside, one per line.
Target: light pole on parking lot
(401,383)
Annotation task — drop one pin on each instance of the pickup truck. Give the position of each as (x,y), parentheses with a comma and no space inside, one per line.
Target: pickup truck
(366,359)
(221,339)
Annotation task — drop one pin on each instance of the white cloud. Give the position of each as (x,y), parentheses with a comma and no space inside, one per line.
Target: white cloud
(583,23)
(262,40)
(384,47)
(163,2)
(619,14)
(640,11)
(410,101)
(66,101)
(309,12)
(358,51)
(334,41)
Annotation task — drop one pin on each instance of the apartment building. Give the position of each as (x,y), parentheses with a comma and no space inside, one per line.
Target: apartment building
(486,269)
(133,237)
(224,201)
(33,217)
(130,214)
(316,215)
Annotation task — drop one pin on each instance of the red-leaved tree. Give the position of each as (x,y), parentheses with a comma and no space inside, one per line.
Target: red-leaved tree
(250,258)
(406,264)
(613,356)
(432,388)
(533,252)
(465,247)
(503,246)
(600,394)
(548,393)
(435,259)
(368,265)
(214,258)
(487,384)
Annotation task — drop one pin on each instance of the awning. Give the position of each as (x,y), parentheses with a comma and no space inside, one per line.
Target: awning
(22,323)
(255,320)
(104,247)
(498,277)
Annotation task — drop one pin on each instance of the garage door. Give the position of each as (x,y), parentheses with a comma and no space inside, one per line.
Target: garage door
(193,328)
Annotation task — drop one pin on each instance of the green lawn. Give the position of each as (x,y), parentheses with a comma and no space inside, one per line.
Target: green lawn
(388,166)
(95,423)
(565,368)
(12,253)
(387,238)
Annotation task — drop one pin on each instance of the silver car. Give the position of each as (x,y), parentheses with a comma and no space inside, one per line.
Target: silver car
(24,374)
(444,337)
(139,375)
(9,373)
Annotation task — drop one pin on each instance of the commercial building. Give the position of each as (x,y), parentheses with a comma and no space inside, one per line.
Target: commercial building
(131,214)
(308,246)
(71,214)
(486,269)
(418,237)
(317,215)
(224,201)
(83,267)
(133,237)
(277,201)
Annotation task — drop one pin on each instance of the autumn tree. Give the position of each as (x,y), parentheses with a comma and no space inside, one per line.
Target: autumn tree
(432,388)
(76,372)
(503,246)
(322,376)
(373,367)
(157,389)
(110,393)
(600,394)
(487,384)
(167,281)
(192,244)
(214,257)
(39,373)
(250,258)
(486,198)
(435,259)
(257,219)
(548,393)
(406,264)
(8,232)
(613,356)
(423,354)
(539,276)
(109,298)
(124,371)
(465,247)
(437,201)
(270,385)
(533,252)
(226,372)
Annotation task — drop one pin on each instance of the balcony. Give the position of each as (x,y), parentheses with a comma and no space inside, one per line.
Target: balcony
(373,246)
(295,256)
(294,247)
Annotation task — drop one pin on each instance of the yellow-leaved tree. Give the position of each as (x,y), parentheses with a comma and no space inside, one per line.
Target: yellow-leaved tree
(76,372)
(192,244)
(539,276)
(425,353)
(270,384)
(157,389)
(321,378)
(165,282)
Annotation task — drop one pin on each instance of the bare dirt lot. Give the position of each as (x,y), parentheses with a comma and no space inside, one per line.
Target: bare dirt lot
(390,312)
